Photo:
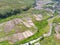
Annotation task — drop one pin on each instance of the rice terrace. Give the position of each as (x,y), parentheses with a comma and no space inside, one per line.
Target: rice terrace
(29,22)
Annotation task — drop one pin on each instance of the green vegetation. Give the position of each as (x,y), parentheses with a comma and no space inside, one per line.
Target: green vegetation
(51,40)
(29,13)
(5,43)
(56,13)
(39,24)
(21,27)
(10,18)
(10,9)
(57,20)
(40,31)
(2,34)
(13,7)
(45,14)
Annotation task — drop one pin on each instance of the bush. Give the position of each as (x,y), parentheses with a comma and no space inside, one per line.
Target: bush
(9,13)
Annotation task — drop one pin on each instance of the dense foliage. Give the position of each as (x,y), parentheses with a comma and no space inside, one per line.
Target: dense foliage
(13,7)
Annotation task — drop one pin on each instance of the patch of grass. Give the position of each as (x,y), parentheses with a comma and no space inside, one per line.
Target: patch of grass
(57,20)
(5,43)
(2,34)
